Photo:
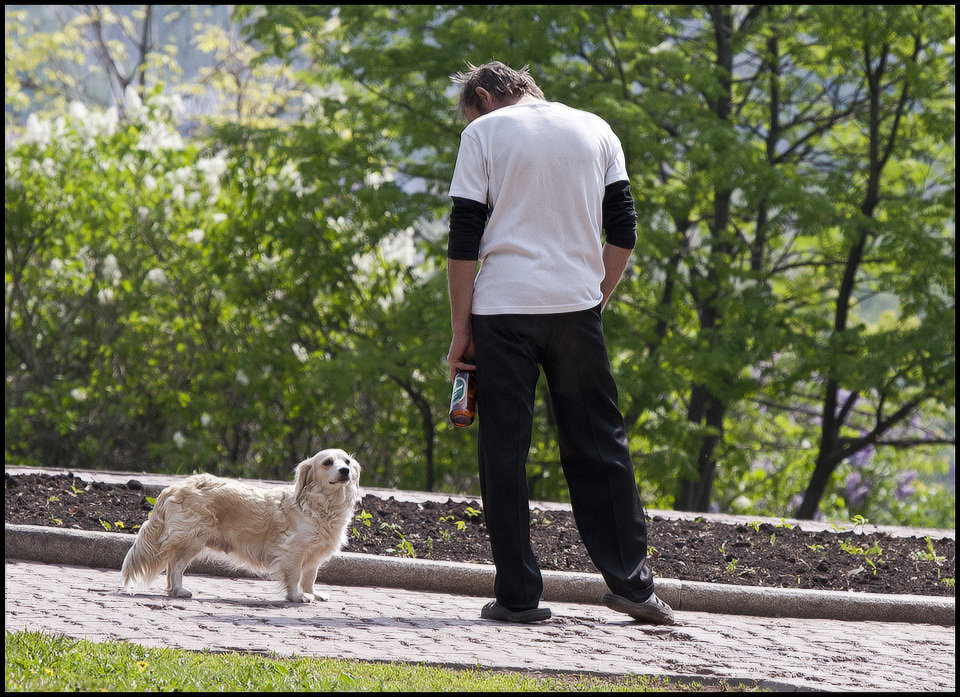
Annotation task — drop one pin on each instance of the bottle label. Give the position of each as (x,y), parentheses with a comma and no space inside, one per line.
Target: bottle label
(459,389)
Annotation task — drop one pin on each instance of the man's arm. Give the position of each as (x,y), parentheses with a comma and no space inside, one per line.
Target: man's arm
(614,262)
(467,221)
(460,276)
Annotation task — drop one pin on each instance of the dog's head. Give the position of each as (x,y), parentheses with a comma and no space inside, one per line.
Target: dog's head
(331,472)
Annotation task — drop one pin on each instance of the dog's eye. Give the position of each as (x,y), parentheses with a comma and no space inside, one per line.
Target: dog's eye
(327,462)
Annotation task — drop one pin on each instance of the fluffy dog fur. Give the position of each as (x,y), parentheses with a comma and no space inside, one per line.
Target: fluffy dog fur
(285,531)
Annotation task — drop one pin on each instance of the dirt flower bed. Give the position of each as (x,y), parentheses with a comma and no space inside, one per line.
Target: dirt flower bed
(754,554)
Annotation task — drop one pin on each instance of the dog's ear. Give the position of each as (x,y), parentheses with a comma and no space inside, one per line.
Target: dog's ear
(302,477)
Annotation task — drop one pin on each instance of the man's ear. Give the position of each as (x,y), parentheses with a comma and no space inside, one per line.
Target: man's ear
(485,99)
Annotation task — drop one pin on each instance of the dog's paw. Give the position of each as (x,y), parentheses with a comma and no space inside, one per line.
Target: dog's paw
(300,597)
(179,593)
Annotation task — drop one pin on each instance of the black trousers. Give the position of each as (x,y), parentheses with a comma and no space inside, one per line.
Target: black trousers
(593,449)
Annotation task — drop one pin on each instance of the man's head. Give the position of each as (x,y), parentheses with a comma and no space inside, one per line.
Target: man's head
(491,86)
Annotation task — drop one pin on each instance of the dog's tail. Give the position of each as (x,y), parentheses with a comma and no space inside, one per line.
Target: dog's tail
(144,560)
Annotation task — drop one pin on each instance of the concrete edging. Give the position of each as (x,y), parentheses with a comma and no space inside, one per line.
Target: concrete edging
(106,550)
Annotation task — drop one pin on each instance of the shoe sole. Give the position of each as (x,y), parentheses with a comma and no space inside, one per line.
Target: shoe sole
(502,614)
(642,612)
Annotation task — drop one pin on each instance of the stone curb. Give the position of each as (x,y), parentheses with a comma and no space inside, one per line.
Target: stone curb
(106,550)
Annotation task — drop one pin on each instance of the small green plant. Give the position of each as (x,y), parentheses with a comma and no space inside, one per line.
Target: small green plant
(930,554)
(53,499)
(404,546)
(773,539)
(471,512)
(866,552)
(106,526)
(732,566)
(815,548)
(364,517)
(151,500)
(56,521)
(859,521)
(949,582)
(755,525)
(784,524)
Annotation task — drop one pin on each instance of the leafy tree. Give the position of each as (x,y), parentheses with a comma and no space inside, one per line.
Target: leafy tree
(233,295)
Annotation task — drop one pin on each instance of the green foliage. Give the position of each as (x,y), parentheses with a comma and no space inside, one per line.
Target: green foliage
(266,286)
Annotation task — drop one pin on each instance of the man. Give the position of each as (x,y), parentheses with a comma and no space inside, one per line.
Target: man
(535,181)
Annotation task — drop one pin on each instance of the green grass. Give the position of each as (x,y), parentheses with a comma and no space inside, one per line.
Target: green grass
(37,662)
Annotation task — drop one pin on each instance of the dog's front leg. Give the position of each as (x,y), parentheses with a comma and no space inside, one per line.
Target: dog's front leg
(291,583)
(308,576)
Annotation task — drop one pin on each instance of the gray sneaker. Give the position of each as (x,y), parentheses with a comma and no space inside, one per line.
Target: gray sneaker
(652,610)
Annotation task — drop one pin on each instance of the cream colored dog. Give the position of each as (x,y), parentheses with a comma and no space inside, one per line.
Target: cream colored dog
(285,531)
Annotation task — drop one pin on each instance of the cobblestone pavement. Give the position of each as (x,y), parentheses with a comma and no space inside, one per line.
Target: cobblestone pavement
(372,623)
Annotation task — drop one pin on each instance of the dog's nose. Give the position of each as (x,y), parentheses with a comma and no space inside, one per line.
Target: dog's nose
(344,473)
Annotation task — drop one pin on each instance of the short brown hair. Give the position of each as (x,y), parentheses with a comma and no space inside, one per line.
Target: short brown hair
(500,80)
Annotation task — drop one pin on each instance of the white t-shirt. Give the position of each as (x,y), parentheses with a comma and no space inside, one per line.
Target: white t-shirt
(541,168)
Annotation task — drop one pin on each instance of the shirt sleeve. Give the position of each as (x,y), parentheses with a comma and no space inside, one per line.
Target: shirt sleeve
(467,221)
(616,162)
(470,175)
(619,215)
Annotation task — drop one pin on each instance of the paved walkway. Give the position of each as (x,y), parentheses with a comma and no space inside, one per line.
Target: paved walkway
(372,623)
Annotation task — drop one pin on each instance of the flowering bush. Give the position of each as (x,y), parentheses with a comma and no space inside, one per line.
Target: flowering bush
(175,306)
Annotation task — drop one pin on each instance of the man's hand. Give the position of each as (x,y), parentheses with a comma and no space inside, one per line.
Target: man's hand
(461,347)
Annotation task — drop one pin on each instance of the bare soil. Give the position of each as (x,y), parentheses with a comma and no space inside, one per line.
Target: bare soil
(757,554)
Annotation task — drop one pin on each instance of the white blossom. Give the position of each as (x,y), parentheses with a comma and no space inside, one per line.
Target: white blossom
(219,217)
(213,168)
(299,352)
(159,136)
(149,183)
(205,419)
(157,277)
(38,132)
(79,394)
(179,439)
(111,270)
(195,236)
(242,378)
(133,105)
(105,296)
